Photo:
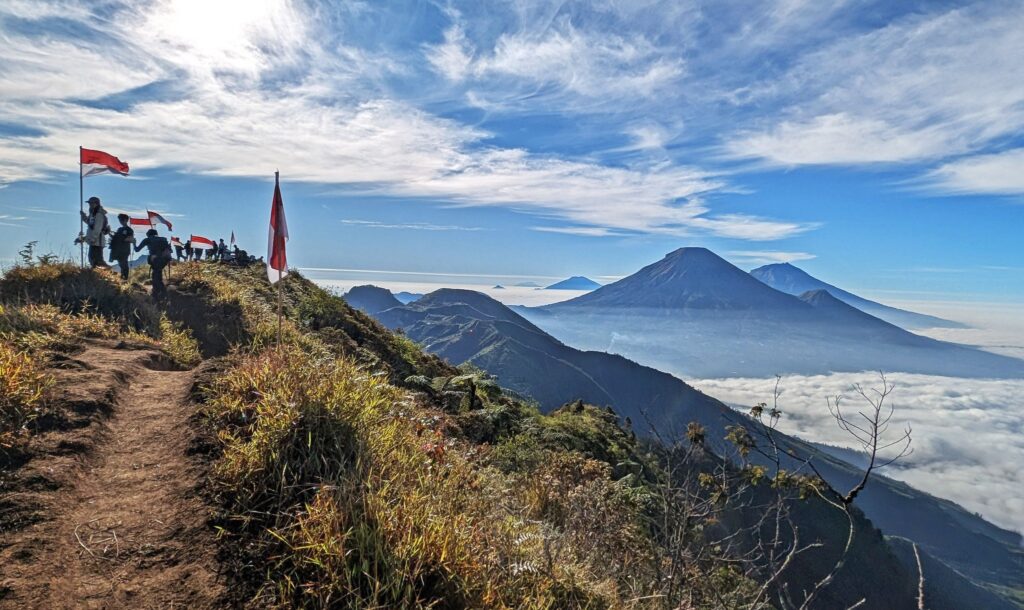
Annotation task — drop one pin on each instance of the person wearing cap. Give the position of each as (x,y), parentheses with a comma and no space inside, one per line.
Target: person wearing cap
(159,257)
(121,245)
(97,228)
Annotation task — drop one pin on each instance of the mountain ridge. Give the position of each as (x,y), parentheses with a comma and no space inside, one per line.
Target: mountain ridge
(791,279)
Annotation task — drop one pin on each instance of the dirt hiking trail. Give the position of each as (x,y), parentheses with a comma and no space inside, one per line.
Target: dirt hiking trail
(107,512)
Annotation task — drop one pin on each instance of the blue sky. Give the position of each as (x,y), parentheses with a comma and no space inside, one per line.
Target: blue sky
(878,145)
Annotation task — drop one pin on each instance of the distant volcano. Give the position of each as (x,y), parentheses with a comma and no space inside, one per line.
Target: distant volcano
(686,278)
(794,280)
(694,313)
(576,282)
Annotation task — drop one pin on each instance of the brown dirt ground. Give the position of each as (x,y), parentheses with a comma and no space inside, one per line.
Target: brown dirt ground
(107,511)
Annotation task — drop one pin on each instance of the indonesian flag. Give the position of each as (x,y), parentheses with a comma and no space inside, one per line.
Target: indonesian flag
(232,238)
(196,239)
(98,162)
(155,218)
(140,222)
(277,260)
(177,242)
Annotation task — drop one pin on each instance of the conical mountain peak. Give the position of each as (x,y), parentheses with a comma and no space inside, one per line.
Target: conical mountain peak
(687,278)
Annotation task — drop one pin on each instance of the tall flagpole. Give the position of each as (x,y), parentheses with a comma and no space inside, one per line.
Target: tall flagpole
(81,211)
(280,287)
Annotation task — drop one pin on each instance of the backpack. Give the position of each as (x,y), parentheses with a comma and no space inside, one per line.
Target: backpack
(161,250)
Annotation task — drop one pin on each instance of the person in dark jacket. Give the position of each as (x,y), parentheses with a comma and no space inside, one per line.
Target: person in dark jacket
(121,245)
(159,257)
(179,251)
(188,250)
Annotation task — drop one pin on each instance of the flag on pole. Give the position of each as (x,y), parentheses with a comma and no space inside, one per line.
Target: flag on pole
(196,239)
(277,260)
(232,238)
(140,222)
(98,162)
(157,218)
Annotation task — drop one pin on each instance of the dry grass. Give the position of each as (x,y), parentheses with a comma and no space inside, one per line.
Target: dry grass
(178,343)
(370,505)
(22,384)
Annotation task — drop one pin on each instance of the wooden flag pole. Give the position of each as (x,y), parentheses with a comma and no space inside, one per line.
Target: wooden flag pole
(280,287)
(81,211)
(280,307)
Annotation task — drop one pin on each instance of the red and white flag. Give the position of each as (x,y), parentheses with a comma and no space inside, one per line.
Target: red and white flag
(196,239)
(177,242)
(277,259)
(140,222)
(157,218)
(98,162)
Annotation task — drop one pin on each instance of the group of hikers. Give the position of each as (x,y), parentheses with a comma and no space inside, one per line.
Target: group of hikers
(122,241)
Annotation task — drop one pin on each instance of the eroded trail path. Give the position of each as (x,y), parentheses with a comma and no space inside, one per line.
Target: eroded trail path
(108,513)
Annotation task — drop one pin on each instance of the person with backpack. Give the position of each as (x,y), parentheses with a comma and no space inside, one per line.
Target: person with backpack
(121,245)
(159,257)
(97,229)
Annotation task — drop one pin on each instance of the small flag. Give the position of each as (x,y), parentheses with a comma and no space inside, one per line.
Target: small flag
(140,222)
(196,239)
(157,218)
(98,162)
(232,238)
(177,242)
(277,259)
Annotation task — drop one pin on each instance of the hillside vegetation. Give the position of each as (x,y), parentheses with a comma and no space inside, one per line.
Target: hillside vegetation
(353,470)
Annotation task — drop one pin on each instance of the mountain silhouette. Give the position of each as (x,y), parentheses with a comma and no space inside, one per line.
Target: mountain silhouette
(794,280)
(576,282)
(463,326)
(371,299)
(688,278)
(695,314)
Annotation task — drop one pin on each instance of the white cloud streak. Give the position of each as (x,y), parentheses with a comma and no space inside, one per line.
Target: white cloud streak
(766,257)
(995,174)
(412,226)
(920,89)
(328,118)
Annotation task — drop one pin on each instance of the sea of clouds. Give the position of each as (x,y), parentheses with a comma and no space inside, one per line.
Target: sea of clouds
(968,434)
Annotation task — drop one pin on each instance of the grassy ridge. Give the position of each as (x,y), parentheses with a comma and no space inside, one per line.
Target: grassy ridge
(356,471)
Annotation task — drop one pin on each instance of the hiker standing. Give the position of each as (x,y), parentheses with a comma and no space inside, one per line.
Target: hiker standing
(159,257)
(121,245)
(179,250)
(188,250)
(222,250)
(96,221)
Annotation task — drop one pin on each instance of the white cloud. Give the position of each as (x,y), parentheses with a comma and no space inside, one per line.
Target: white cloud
(766,257)
(583,231)
(840,139)
(328,122)
(996,174)
(596,65)
(414,226)
(453,57)
(921,88)
(968,436)
(591,65)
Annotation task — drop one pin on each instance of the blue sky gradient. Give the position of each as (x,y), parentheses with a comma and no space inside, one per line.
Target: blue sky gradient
(878,145)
